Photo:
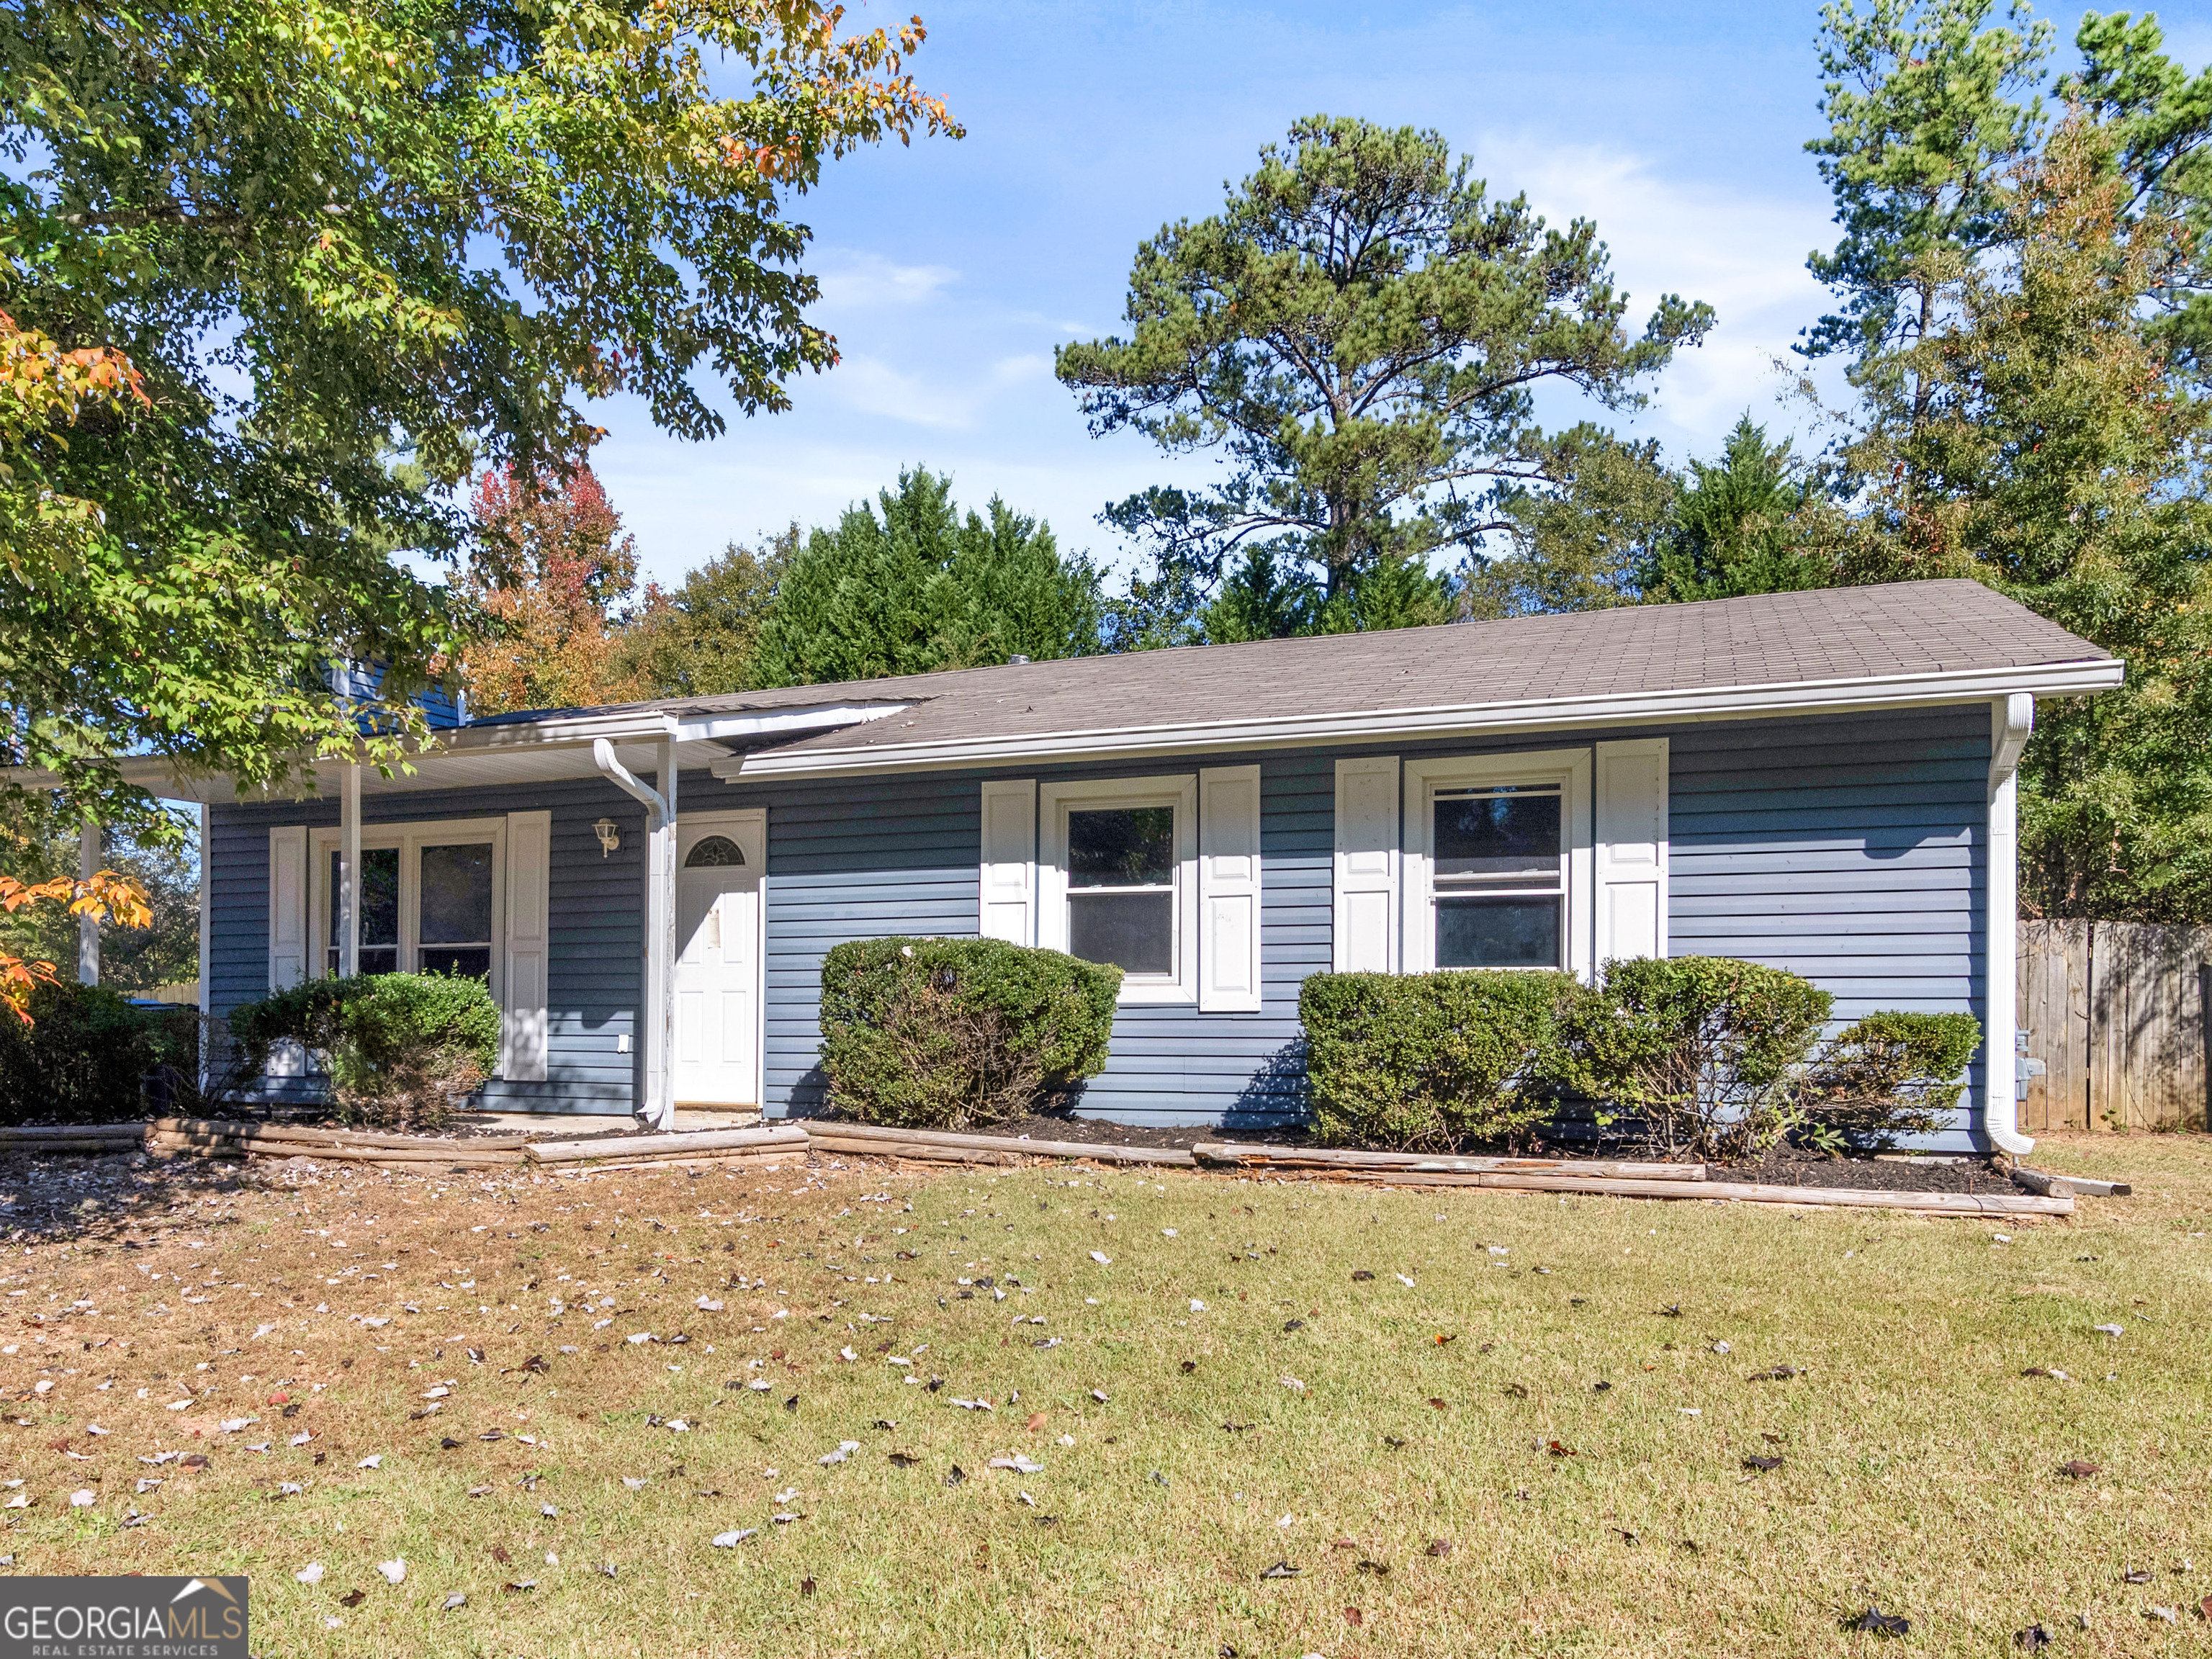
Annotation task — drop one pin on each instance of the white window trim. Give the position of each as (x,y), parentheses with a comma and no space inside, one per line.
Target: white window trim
(1179,792)
(410,839)
(1567,769)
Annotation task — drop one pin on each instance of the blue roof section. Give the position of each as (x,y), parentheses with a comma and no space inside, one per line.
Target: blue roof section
(364,682)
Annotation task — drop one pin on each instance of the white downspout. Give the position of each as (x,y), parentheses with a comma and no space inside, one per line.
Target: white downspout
(2011,719)
(349,939)
(655,1027)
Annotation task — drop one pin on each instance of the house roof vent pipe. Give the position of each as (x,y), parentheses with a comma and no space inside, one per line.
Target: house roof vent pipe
(1011,661)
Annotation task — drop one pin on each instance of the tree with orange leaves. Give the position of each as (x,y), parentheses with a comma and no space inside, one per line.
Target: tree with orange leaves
(558,571)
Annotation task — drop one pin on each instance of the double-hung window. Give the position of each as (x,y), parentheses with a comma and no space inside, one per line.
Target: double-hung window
(430,898)
(1498,882)
(1498,861)
(1118,883)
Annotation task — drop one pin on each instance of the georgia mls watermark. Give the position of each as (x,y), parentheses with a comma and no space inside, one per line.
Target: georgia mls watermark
(122,1617)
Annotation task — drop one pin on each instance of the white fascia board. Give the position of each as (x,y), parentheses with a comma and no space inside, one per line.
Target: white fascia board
(577,732)
(1640,708)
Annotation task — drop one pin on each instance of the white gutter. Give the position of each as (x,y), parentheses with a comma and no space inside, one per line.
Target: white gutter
(656,1006)
(2011,719)
(1460,719)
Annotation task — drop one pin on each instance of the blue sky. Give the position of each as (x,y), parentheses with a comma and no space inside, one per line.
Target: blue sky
(951,270)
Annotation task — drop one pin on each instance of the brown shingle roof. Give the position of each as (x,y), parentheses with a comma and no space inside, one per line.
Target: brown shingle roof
(1827,635)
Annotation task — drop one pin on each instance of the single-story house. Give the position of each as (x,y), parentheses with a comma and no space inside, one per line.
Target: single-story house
(1819,780)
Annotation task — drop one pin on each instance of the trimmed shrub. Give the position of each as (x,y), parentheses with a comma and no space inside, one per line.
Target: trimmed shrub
(1430,1062)
(83,1057)
(1885,1076)
(953,1033)
(1702,1051)
(399,1049)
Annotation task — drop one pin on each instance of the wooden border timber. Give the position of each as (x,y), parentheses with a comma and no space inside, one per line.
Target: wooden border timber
(788,1156)
(940,1145)
(237,1127)
(2043,1181)
(1744,1192)
(628,1148)
(1261,1156)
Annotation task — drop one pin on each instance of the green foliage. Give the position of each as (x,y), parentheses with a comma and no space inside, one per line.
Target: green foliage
(1928,114)
(1582,542)
(1700,1050)
(458,223)
(1887,1076)
(1433,1062)
(81,1059)
(1736,529)
(1360,332)
(1259,600)
(398,1048)
(700,640)
(920,588)
(135,961)
(953,1033)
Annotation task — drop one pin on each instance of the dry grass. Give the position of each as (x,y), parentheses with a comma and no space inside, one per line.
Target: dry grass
(1921,1470)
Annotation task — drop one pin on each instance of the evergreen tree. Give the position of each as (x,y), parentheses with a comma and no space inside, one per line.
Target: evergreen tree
(1361,332)
(910,585)
(1735,528)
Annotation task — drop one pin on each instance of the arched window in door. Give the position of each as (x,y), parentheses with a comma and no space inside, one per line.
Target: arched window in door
(712,850)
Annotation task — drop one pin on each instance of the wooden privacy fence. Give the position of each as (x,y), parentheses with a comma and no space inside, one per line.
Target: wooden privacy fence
(2114,1012)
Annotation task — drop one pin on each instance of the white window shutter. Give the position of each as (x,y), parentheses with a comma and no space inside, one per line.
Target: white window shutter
(1367,866)
(522,1029)
(1632,849)
(288,907)
(1229,889)
(1007,889)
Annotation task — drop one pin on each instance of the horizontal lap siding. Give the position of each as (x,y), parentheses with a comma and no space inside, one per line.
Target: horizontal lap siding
(1847,848)
(593,915)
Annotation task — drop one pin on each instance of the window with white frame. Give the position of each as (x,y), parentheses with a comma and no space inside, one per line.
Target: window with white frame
(1498,881)
(1118,880)
(1498,862)
(429,896)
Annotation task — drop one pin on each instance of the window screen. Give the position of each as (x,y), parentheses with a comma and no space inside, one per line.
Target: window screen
(455,927)
(380,912)
(1120,881)
(1499,877)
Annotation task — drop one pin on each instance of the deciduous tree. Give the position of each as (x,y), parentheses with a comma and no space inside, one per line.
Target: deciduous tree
(313,231)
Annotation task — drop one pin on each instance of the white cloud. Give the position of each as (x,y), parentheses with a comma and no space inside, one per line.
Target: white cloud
(1742,254)
(957,400)
(869,282)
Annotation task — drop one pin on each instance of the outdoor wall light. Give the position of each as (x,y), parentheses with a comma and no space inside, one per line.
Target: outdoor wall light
(610,835)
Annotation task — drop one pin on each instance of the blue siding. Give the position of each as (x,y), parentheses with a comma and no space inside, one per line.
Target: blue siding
(593,915)
(1846,847)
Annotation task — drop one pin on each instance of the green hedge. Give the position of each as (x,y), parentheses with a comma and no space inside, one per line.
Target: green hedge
(82,1058)
(1429,1062)
(1699,1057)
(953,1033)
(400,1048)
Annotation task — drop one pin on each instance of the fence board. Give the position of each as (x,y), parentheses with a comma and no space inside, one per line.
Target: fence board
(2112,1010)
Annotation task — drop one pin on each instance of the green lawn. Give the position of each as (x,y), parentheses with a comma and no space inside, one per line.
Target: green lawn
(1451,1477)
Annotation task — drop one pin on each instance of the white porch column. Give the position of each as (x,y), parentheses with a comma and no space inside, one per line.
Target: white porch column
(88,930)
(348,928)
(660,952)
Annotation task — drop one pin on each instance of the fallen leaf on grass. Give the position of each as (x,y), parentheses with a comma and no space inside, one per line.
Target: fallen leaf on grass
(1558,1448)
(1019,1463)
(310,1574)
(354,1599)
(1875,1622)
(954,1475)
(1360,1275)
(1375,1567)
(2135,1576)
(1282,1570)
(456,1599)
(1774,1374)
(730,1540)
(2080,1470)
(393,1570)
(806,1587)
(1354,1617)
(1438,1547)
(1437,1403)
(2034,1638)
(1189,1367)
(1762,1464)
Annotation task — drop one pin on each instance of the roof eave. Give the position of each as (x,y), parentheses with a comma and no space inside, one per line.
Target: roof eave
(1702,703)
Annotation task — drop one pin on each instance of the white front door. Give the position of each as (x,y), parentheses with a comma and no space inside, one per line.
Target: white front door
(718,962)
